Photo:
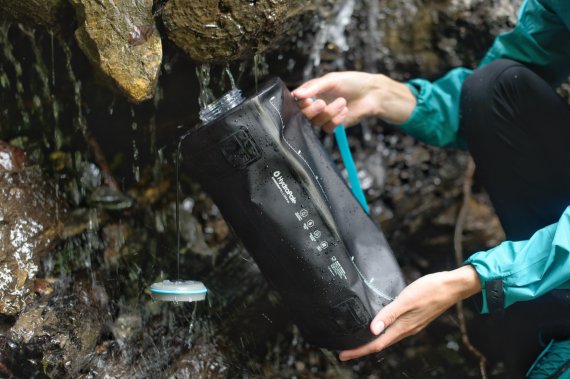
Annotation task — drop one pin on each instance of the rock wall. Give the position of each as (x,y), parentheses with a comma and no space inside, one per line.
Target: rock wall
(222,31)
(123,41)
(30,226)
(120,38)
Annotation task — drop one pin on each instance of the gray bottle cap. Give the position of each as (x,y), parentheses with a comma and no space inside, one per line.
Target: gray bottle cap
(185,290)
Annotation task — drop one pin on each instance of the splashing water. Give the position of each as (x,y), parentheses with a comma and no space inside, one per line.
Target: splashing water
(315,55)
(333,31)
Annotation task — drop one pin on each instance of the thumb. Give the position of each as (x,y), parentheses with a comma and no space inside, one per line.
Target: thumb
(384,319)
(314,87)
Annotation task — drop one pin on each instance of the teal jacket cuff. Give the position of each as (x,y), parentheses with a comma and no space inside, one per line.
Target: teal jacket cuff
(524,270)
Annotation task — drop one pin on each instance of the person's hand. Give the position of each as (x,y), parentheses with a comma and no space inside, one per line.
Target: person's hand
(418,305)
(348,97)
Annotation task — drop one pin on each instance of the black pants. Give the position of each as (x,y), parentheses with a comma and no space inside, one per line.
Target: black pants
(518,131)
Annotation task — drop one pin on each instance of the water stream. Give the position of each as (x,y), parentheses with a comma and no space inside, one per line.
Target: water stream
(206,95)
(177,184)
(260,68)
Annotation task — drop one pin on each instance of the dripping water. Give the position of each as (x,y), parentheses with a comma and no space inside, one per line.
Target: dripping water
(52,59)
(8,51)
(230,77)
(80,121)
(46,90)
(373,39)
(203,74)
(134,127)
(153,129)
(177,211)
(241,71)
(260,68)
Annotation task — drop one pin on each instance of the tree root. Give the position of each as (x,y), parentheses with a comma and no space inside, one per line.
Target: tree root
(458,248)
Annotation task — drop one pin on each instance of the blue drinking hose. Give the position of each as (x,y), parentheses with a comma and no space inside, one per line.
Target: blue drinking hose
(342,141)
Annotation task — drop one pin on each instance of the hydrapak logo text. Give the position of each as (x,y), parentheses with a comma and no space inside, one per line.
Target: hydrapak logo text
(283,187)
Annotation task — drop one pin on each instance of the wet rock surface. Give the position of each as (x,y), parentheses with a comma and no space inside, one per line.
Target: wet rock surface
(119,37)
(220,31)
(57,334)
(198,363)
(44,13)
(30,225)
(428,36)
(420,199)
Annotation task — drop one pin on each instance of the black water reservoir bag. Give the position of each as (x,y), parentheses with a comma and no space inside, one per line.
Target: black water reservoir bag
(269,175)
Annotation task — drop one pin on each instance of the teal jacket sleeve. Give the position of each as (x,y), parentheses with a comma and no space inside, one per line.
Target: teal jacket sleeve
(527,269)
(540,40)
(435,119)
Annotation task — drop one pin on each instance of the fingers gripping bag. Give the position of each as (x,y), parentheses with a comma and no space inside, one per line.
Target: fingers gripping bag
(261,162)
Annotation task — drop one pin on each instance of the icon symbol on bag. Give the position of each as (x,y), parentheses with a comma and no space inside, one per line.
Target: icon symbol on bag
(309,224)
(304,213)
(317,233)
(324,245)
